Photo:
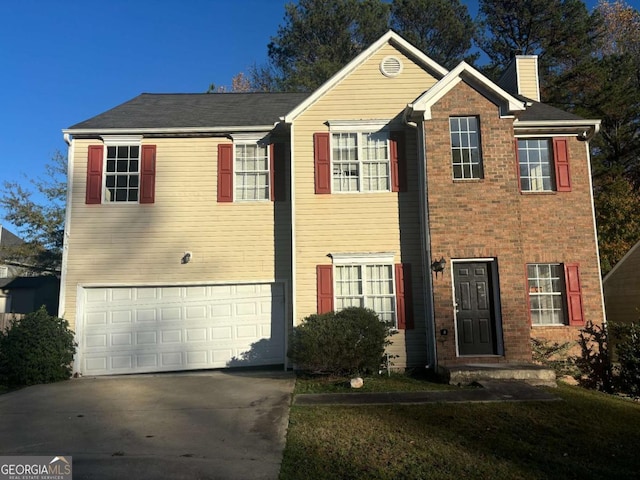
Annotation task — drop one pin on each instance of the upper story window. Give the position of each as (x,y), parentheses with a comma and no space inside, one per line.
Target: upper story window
(251,171)
(534,158)
(122,173)
(4,271)
(465,148)
(544,165)
(361,161)
(121,170)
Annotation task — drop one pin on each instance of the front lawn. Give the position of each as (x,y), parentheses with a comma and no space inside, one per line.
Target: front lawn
(587,435)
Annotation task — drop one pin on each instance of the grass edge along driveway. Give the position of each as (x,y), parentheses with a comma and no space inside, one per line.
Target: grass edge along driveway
(586,435)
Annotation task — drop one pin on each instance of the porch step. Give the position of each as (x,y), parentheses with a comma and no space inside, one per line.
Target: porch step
(477,372)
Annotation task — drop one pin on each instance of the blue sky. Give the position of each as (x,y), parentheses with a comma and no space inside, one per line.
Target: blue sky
(64,61)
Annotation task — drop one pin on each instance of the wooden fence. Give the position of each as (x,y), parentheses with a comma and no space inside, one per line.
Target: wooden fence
(5,319)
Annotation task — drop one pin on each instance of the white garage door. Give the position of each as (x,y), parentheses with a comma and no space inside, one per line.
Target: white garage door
(152,329)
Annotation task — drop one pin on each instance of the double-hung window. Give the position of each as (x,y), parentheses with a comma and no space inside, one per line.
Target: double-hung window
(543,165)
(122,173)
(546,298)
(465,148)
(366,281)
(536,169)
(251,171)
(361,161)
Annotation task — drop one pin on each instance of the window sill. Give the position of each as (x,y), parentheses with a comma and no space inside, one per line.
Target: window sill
(468,180)
(553,192)
(546,325)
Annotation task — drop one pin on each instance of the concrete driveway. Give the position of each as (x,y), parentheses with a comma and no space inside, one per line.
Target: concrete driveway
(210,425)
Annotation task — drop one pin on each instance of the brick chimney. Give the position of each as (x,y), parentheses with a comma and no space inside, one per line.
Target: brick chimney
(521,77)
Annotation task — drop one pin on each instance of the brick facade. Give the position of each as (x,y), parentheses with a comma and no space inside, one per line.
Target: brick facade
(491,219)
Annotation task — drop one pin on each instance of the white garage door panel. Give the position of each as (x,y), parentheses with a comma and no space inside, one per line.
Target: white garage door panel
(147,329)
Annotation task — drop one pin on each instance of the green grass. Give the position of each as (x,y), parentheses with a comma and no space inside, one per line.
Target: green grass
(397,382)
(587,435)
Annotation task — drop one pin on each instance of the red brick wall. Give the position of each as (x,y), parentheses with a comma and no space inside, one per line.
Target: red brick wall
(490,218)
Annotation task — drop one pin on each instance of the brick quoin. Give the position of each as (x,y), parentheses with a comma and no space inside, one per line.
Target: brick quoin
(491,218)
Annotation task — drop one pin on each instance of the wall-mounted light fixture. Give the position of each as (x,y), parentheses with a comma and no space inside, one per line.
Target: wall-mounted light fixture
(186,258)
(438,266)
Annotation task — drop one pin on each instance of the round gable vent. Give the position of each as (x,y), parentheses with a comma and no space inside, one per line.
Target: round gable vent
(391,66)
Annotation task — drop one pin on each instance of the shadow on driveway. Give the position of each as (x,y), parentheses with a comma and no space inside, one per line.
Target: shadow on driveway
(213,424)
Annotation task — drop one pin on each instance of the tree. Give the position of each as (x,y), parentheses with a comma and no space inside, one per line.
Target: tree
(443,29)
(558,31)
(319,37)
(617,207)
(40,221)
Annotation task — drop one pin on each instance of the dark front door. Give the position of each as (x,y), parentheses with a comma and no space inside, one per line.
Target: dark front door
(475,314)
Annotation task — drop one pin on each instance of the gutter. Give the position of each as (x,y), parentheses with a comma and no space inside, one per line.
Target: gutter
(170,131)
(584,129)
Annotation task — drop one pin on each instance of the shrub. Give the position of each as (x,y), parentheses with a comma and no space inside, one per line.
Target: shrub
(37,349)
(347,342)
(627,349)
(594,363)
(554,355)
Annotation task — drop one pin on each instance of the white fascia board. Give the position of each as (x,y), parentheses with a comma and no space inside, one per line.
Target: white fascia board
(586,128)
(171,131)
(463,71)
(358,125)
(390,37)
(362,258)
(620,262)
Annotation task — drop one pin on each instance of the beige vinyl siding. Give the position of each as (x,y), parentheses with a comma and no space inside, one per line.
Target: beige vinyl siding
(360,222)
(621,289)
(143,244)
(527,69)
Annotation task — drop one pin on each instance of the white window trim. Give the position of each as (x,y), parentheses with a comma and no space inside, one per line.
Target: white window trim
(260,139)
(120,141)
(355,126)
(359,149)
(552,166)
(562,294)
(362,260)
(479,148)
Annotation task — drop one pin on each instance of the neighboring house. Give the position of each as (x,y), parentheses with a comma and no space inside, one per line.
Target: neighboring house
(622,288)
(8,239)
(28,294)
(201,228)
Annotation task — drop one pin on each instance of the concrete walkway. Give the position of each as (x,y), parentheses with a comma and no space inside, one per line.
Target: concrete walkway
(488,391)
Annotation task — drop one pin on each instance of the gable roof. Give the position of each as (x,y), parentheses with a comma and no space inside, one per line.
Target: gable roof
(465,72)
(192,112)
(390,37)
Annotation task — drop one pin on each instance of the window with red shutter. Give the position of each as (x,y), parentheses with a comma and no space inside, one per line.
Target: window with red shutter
(574,294)
(94,174)
(148,174)
(561,159)
(324,275)
(322,162)
(404,296)
(225,172)
(398,162)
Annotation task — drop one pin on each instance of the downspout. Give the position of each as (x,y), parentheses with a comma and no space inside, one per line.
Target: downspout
(67,224)
(294,282)
(425,238)
(595,225)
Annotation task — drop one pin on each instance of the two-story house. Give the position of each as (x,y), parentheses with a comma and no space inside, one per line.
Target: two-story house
(202,227)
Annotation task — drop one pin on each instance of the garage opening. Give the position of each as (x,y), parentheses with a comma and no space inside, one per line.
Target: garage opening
(168,328)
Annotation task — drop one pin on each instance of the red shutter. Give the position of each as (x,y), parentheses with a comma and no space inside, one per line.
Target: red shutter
(561,160)
(574,294)
(515,146)
(398,162)
(94,174)
(225,172)
(322,160)
(404,296)
(277,168)
(325,288)
(148,174)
